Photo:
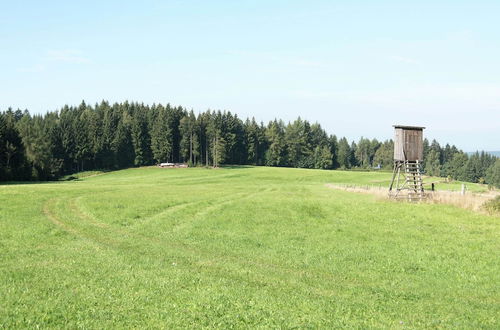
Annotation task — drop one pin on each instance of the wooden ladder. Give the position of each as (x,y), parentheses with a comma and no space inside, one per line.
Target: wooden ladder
(414,181)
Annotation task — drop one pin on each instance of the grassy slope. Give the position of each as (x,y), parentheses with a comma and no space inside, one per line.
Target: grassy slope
(240,247)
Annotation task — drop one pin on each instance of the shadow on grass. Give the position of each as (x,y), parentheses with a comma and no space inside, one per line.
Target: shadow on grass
(83,175)
(237,167)
(80,176)
(11,183)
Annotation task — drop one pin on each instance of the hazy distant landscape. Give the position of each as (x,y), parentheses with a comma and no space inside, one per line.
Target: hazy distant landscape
(493,153)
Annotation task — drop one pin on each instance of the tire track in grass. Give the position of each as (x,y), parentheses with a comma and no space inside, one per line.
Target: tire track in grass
(110,232)
(49,214)
(178,207)
(215,263)
(127,235)
(178,244)
(210,208)
(277,272)
(224,258)
(49,210)
(84,214)
(118,239)
(261,264)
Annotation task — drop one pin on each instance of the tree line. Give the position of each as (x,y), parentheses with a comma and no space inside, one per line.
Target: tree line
(121,135)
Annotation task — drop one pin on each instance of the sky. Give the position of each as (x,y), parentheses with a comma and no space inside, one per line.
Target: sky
(356,67)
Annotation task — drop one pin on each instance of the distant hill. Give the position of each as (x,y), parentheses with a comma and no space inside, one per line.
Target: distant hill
(494,153)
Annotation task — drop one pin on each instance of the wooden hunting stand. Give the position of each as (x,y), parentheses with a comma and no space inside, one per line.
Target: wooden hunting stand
(408,156)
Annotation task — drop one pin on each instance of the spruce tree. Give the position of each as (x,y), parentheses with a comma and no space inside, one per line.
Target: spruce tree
(344,154)
(493,174)
(276,153)
(161,137)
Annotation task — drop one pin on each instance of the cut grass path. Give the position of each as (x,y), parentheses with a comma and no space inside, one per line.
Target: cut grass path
(240,247)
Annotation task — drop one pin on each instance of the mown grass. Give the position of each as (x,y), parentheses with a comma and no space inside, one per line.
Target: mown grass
(240,247)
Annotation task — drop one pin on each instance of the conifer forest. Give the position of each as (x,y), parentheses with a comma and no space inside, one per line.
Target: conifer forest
(113,136)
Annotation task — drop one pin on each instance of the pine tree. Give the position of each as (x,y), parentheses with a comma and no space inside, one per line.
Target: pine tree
(122,146)
(344,154)
(13,164)
(229,132)
(3,148)
(253,142)
(276,153)
(493,174)
(432,163)
(322,157)
(217,141)
(174,117)
(352,156)
(455,167)
(384,156)
(219,149)
(364,152)
(110,119)
(189,140)
(140,136)
(161,137)
(334,150)
(298,142)
(83,142)
(36,142)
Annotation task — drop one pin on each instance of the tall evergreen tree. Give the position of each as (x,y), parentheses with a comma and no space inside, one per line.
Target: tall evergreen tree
(455,167)
(161,137)
(384,156)
(218,146)
(323,158)
(276,153)
(83,146)
(255,142)
(493,174)
(36,142)
(13,164)
(432,163)
(189,138)
(363,153)
(140,136)
(344,154)
(298,142)
(334,150)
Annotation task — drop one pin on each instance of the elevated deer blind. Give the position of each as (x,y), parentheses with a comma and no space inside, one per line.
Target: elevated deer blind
(406,180)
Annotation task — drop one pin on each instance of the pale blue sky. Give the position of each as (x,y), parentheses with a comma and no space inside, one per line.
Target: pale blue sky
(357,67)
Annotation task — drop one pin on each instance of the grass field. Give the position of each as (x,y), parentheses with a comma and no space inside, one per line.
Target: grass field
(240,247)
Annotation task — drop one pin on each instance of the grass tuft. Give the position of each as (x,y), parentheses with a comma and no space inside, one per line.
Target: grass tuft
(493,205)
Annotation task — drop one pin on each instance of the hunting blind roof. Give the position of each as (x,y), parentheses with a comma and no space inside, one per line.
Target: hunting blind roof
(418,128)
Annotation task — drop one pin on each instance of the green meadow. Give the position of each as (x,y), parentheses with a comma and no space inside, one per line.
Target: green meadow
(241,247)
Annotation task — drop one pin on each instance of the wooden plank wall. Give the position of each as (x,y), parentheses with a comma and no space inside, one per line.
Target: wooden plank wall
(408,142)
(398,144)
